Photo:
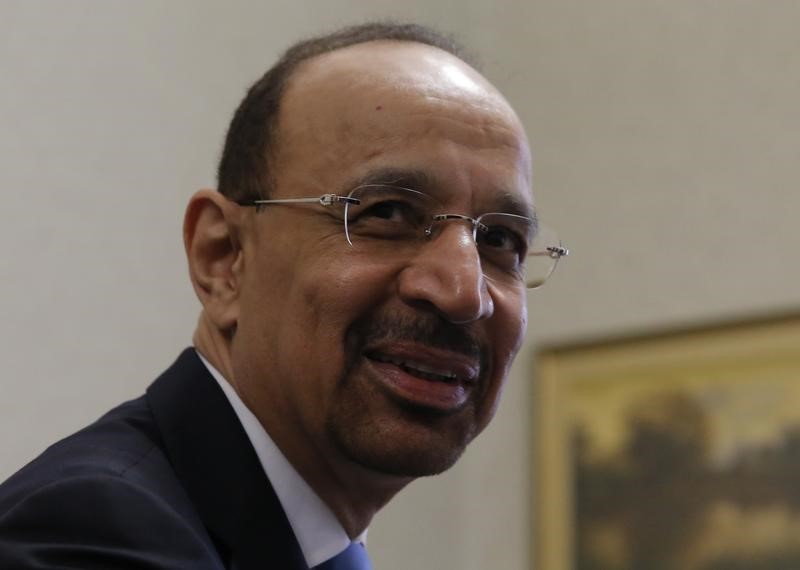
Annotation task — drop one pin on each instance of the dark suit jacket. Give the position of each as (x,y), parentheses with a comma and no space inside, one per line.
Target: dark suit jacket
(167,481)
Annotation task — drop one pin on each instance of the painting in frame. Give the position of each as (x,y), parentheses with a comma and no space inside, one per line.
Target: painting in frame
(672,451)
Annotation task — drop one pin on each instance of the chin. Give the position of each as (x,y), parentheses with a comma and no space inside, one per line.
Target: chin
(403,449)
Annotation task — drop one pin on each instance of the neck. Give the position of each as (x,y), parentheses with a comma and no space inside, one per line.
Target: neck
(352,492)
(214,347)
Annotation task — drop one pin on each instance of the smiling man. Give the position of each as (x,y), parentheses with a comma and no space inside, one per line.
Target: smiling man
(362,269)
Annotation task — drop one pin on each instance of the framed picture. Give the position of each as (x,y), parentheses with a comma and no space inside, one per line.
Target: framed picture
(676,451)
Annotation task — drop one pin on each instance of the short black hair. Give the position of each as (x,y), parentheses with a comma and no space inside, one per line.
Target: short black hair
(244,168)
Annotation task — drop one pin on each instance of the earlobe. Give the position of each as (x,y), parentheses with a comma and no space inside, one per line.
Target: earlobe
(211,241)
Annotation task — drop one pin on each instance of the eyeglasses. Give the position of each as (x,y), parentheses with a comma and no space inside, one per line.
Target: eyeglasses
(392,221)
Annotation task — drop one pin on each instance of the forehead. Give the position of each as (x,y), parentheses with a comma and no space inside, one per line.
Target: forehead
(366,110)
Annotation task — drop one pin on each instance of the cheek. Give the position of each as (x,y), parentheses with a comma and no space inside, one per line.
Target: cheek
(314,351)
(326,299)
(511,316)
(343,283)
(508,332)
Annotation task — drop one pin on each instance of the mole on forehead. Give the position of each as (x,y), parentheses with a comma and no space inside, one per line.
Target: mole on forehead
(500,200)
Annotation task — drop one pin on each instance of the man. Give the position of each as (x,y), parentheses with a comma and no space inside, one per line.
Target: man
(362,272)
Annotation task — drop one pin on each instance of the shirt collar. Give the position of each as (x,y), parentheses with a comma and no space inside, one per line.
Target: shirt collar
(318,531)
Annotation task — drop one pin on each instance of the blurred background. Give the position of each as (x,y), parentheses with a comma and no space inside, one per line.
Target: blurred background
(666,138)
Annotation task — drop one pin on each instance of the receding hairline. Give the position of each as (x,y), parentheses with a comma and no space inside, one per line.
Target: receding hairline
(387,69)
(356,64)
(387,42)
(244,169)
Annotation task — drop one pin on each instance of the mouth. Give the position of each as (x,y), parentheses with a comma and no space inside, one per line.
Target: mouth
(421,376)
(418,369)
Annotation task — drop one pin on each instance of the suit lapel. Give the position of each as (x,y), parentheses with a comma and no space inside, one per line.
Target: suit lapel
(218,466)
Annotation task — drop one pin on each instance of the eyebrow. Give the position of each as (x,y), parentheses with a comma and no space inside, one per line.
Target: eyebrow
(503,201)
(413,179)
(510,203)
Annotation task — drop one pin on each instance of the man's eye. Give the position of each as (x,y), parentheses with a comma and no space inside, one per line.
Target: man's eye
(502,239)
(386,210)
(395,211)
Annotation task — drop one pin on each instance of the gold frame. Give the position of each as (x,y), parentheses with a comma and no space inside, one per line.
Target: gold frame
(673,354)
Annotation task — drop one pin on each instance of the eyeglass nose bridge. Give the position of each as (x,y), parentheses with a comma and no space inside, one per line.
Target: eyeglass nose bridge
(475,223)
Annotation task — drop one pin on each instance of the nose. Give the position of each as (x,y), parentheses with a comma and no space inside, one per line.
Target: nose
(445,274)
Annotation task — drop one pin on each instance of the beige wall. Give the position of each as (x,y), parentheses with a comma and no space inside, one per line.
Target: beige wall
(666,137)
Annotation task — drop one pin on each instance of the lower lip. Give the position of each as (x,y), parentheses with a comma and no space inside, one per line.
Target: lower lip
(441,396)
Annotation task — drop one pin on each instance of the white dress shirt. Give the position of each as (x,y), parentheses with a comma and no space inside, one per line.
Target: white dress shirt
(316,528)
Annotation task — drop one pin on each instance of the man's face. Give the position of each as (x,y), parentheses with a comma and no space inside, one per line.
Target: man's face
(349,356)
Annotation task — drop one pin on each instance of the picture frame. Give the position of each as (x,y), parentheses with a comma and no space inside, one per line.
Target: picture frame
(677,450)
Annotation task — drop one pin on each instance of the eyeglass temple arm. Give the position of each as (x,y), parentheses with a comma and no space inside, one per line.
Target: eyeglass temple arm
(556,252)
(325,200)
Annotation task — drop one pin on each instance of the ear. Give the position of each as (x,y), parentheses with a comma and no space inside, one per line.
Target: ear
(211,238)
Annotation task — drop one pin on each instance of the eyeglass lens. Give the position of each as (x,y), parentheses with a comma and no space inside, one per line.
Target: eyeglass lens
(391,220)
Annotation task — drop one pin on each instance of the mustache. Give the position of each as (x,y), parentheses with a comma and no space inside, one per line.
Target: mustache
(422,329)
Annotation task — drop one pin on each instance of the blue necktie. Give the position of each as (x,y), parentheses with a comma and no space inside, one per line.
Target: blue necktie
(354,557)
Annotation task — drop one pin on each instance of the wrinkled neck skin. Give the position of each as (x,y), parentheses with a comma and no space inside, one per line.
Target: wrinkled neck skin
(354,494)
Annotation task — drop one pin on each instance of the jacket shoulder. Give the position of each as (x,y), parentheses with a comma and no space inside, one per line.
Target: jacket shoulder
(100,520)
(100,497)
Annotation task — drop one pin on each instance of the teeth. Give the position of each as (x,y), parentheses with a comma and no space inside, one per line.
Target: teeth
(419,369)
